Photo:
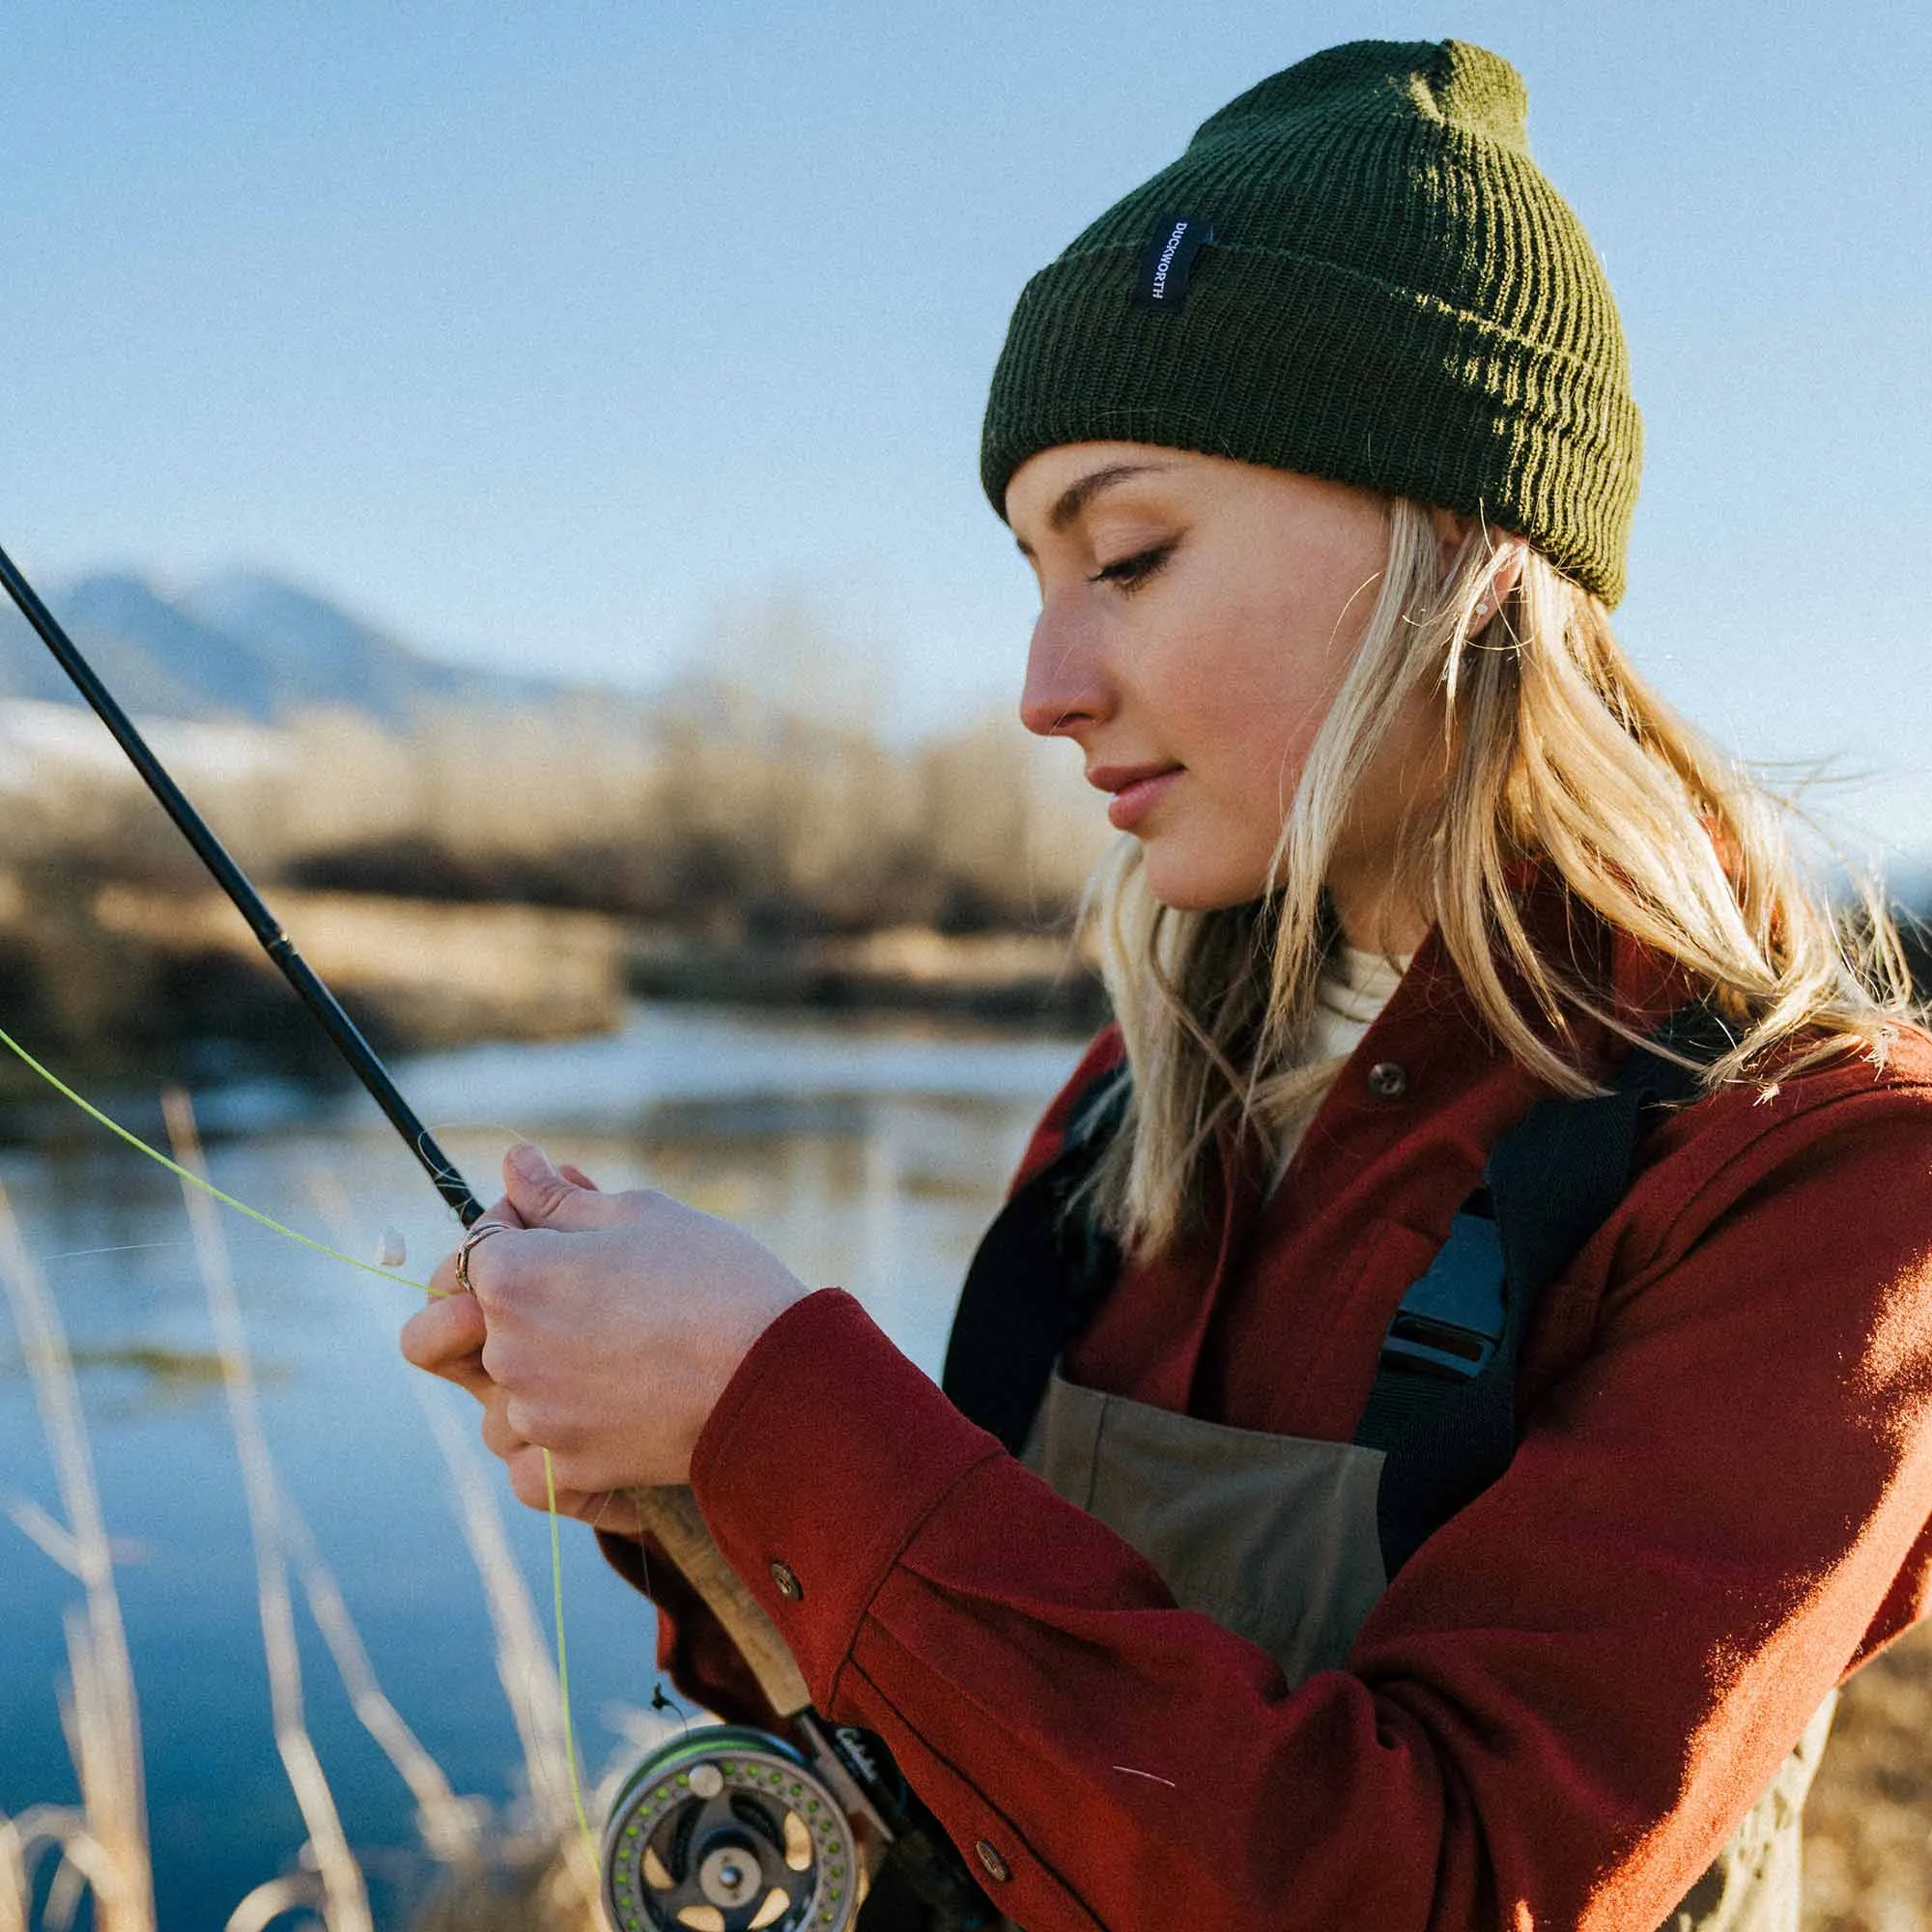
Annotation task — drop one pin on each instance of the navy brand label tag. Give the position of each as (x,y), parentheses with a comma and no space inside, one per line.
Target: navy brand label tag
(1166,269)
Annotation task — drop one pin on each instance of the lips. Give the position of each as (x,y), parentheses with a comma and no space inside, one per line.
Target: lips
(1136,788)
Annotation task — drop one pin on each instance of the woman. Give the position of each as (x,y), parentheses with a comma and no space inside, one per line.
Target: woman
(1322,448)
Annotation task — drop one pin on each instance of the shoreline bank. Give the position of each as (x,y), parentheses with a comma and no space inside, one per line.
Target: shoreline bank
(128,982)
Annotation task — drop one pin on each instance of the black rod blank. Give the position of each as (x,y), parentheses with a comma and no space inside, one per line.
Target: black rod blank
(361,1057)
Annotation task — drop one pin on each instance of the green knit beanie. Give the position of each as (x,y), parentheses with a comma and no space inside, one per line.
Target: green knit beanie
(1355,271)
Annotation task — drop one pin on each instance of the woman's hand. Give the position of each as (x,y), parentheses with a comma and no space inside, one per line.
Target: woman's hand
(602,1327)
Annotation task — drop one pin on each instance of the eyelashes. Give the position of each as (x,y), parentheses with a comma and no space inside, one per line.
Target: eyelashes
(1129,572)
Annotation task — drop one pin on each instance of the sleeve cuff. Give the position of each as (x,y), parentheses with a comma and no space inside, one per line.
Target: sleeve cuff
(823,1458)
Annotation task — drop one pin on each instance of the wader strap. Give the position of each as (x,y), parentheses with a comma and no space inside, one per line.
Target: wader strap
(1039,1271)
(1442,1408)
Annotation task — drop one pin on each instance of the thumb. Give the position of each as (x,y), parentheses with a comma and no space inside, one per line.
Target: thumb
(544,1198)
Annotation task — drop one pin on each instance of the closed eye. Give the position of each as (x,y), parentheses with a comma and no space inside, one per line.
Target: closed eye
(1131,572)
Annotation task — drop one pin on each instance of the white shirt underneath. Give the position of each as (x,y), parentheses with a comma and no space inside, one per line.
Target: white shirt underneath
(1353,989)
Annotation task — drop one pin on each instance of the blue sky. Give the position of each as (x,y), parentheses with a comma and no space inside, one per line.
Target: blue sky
(542,334)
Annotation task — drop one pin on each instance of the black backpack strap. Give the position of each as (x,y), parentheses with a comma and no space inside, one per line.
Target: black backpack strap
(1442,1408)
(1037,1273)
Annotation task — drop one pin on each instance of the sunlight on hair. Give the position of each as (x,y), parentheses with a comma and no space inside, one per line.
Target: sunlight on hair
(1559,762)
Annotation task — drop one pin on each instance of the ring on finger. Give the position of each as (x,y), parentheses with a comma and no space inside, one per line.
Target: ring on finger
(471,1242)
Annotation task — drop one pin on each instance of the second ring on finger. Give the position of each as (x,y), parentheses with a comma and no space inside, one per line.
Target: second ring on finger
(468,1245)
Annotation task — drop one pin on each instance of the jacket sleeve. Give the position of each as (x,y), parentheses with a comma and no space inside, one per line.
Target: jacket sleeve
(693,1648)
(1562,1705)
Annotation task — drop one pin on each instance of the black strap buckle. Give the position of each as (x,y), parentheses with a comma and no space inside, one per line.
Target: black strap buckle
(1451,1321)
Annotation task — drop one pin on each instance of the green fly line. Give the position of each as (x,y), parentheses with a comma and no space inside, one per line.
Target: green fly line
(269,1221)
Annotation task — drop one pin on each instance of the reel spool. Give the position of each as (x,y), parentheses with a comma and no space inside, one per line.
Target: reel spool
(729,1830)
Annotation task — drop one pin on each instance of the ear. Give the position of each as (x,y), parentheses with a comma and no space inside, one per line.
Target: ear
(1453,531)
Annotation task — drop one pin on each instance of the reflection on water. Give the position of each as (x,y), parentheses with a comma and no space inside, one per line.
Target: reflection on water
(866,1153)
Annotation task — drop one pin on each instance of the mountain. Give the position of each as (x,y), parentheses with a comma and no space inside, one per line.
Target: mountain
(245,645)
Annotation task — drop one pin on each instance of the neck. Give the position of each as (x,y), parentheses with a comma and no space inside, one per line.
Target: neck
(1373,915)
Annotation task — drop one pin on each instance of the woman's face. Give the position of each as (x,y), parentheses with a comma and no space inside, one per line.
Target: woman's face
(1196,618)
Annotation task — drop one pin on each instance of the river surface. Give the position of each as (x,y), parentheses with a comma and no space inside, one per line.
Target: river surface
(868,1153)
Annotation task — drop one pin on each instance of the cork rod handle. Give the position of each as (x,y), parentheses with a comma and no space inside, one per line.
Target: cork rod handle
(671,1516)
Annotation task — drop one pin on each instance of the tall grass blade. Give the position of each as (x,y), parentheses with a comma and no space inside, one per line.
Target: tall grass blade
(449,1825)
(344,1898)
(16,1899)
(300,1891)
(546,1876)
(109,1843)
(523,1663)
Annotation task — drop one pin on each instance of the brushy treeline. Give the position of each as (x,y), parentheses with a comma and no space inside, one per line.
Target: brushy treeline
(717,804)
(727,815)
(767,810)
(754,812)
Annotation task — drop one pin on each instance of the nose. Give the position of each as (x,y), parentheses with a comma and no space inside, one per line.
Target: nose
(1066,681)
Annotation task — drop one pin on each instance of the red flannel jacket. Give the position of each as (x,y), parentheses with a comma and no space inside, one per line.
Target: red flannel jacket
(1568,1697)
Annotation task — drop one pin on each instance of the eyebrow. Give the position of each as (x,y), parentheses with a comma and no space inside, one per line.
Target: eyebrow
(1076,496)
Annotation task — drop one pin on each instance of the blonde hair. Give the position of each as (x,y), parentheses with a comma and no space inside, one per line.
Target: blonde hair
(1554,752)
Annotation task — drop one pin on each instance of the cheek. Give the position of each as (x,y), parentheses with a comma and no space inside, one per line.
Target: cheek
(1256,708)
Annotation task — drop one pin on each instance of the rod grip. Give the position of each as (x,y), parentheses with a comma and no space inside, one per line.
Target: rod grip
(671,1516)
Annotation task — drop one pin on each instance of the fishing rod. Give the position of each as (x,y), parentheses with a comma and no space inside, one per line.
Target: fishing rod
(362,1058)
(728,1827)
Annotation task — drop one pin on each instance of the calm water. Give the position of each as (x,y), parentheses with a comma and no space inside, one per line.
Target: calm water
(866,1153)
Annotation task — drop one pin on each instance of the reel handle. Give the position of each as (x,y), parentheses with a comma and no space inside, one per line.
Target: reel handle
(672,1515)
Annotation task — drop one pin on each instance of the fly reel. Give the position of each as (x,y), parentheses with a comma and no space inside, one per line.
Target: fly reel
(729,1830)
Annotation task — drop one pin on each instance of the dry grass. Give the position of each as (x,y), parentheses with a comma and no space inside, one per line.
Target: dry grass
(441,973)
(541,1890)
(102,1845)
(1869,1825)
(750,811)
(533,1873)
(739,800)
(343,1897)
(536,1874)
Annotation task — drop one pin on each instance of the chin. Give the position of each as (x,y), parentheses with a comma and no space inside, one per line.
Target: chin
(1198,888)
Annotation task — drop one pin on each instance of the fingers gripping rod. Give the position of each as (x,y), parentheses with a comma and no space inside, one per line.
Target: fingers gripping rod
(360,1056)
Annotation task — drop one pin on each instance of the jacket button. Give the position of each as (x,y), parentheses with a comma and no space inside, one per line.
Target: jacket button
(997,1868)
(785,1579)
(1388,1080)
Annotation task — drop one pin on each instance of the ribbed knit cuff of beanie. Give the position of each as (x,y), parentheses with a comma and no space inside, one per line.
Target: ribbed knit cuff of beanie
(1387,292)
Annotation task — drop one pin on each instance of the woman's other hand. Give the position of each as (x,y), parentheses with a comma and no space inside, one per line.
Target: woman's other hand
(602,1327)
